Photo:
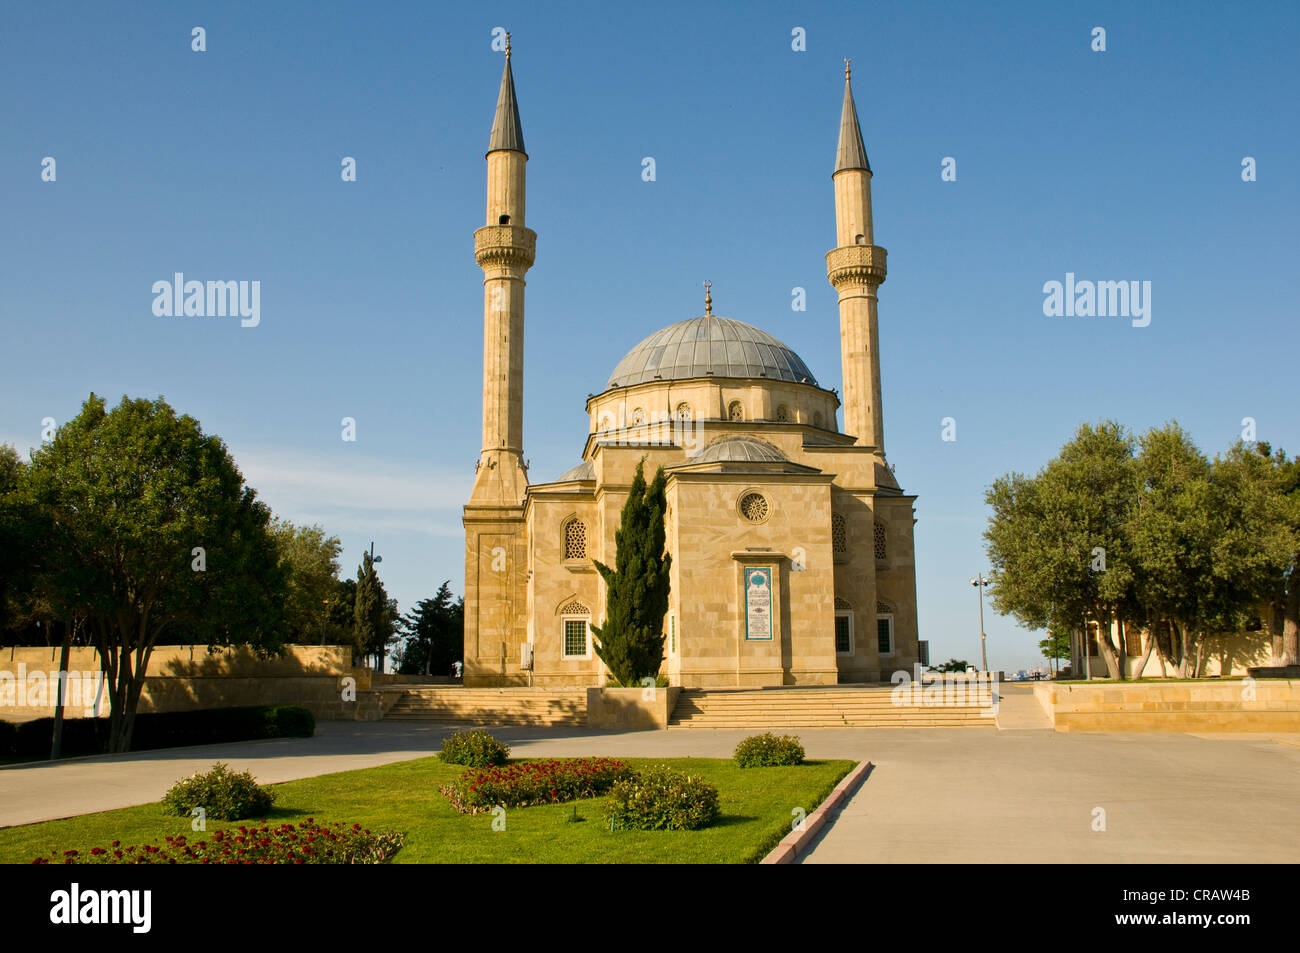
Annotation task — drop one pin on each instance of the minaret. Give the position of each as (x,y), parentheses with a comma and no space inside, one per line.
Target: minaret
(504,249)
(856,268)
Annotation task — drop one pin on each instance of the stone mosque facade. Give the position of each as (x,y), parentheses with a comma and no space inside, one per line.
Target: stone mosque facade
(792,543)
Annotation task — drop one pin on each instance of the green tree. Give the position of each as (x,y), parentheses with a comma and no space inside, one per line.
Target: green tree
(17,536)
(374,615)
(152,533)
(434,634)
(631,642)
(1055,647)
(340,614)
(1058,542)
(310,560)
(952,665)
(1211,539)
(1278,482)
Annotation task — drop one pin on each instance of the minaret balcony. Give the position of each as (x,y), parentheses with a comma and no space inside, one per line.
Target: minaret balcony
(856,264)
(498,245)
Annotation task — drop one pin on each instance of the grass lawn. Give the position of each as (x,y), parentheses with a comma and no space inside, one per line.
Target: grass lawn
(756,813)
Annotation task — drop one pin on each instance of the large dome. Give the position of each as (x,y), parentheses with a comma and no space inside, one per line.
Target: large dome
(709,345)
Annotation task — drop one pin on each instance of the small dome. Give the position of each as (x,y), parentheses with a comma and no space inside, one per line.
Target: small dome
(738,450)
(583,471)
(709,345)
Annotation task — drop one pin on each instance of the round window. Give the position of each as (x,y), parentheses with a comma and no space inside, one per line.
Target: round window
(753,506)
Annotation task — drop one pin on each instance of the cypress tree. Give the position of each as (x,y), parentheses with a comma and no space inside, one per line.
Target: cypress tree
(631,642)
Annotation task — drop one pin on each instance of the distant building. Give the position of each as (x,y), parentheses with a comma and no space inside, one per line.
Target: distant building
(1223,654)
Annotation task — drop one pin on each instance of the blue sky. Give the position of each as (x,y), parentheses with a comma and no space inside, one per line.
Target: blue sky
(1115,165)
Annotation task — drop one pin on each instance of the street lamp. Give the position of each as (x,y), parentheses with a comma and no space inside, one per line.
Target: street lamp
(379,656)
(980,582)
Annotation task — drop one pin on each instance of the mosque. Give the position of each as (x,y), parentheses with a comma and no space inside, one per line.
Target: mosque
(792,543)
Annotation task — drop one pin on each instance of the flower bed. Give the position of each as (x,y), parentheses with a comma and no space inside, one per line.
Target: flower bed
(306,843)
(526,783)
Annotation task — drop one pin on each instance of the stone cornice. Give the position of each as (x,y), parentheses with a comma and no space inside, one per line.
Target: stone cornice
(505,245)
(856,264)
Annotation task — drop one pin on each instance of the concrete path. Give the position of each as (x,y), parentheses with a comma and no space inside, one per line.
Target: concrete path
(935,795)
(1020,710)
(1015,797)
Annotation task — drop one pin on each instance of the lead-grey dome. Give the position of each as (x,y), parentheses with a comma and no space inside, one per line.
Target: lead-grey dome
(709,345)
(738,450)
(583,471)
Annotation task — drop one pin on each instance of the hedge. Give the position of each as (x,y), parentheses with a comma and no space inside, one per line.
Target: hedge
(173,729)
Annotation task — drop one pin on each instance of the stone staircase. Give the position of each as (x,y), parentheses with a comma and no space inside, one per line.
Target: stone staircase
(492,706)
(830,707)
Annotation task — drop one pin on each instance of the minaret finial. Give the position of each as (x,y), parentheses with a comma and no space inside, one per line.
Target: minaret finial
(850,153)
(508,47)
(846,59)
(708,300)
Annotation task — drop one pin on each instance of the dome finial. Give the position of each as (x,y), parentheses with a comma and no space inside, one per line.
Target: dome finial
(508,47)
(846,59)
(708,301)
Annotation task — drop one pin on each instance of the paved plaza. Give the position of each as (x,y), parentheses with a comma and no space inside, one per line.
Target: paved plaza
(935,795)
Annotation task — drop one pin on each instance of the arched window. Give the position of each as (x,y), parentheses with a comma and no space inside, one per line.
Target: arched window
(575,631)
(843,627)
(637,417)
(735,411)
(782,413)
(817,418)
(683,411)
(839,535)
(882,551)
(575,539)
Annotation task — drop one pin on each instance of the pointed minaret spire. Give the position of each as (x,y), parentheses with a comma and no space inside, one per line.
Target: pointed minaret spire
(507,131)
(505,249)
(856,268)
(851,154)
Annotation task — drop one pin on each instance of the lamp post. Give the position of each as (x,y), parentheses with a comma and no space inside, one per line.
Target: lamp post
(379,656)
(979,582)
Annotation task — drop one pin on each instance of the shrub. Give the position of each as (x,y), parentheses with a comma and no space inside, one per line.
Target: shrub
(306,843)
(221,793)
(474,749)
(526,783)
(662,800)
(171,729)
(767,750)
(660,681)
(293,722)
